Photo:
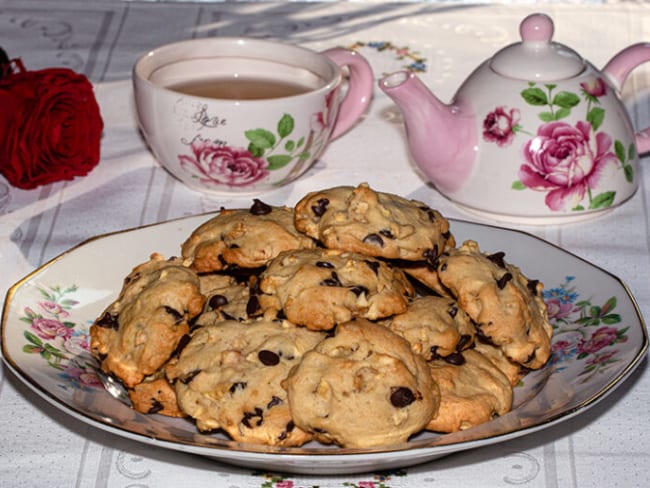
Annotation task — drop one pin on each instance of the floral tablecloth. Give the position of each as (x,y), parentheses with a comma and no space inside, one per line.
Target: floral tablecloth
(608,445)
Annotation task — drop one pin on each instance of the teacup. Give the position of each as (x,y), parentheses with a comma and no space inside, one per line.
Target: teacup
(246,115)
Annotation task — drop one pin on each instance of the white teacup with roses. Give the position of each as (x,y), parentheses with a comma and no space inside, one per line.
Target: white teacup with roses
(246,137)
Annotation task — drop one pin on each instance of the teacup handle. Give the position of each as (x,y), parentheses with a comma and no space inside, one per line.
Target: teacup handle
(618,69)
(360,88)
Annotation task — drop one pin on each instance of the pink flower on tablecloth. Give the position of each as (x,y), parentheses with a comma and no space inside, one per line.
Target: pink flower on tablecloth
(284,484)
(566,161)
(85,377)
(218,165)
(500,125)
(49,328)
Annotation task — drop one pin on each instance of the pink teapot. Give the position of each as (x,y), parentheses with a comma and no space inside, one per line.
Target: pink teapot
(536,134)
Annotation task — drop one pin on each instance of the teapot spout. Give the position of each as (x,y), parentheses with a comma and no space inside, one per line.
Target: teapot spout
(442,138)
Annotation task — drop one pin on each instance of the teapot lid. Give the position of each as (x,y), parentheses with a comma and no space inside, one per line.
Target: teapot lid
(537,58)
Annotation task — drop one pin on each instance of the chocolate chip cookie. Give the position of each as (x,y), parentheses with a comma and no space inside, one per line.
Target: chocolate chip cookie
(507,307)
(362,387)
(229,377)
(471,393)
(436,327)
(243,238)
(373,223)
(140,330)
(320,288)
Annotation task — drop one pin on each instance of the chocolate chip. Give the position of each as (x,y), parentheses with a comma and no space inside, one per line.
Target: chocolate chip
(501,282)
(248,416)
(287,430)
(178,317)
(497,258)
(446,235)
(217,301)
(321,206)
(373,265)
(532,286)
(156,406)
(253,306)
(108,321)
(401,396)
(387,233)
(324,264)
(431,255)
(190,376)
(453,310)
(443,267)
(374,239)
(260,208)
(333,280)
(268,358)
(434,353)
(455,358)
(239,385)
(463,341)
(274,401)
(358,290)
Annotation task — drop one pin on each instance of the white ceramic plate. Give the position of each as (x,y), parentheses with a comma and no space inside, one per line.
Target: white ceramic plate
(599,339)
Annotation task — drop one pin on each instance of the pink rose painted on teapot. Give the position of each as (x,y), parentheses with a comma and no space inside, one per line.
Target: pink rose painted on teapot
(536,134)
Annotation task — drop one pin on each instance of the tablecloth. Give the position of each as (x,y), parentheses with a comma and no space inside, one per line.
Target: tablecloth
(608,445)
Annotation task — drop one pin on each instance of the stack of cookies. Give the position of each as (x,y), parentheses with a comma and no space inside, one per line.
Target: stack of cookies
(353,318)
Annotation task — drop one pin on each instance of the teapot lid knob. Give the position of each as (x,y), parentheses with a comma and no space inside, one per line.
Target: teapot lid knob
(537,57)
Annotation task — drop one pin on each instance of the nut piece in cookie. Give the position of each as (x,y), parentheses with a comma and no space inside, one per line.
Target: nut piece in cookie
(243,238)
(373,223)
(140,330)
(321,288)
(507,308)
(229,377)
(436,327)
(362,387)
(471,393)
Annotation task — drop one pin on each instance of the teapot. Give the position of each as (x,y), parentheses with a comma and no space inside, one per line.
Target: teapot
(535,135)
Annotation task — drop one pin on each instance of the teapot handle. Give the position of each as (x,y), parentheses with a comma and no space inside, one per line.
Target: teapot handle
(618,69)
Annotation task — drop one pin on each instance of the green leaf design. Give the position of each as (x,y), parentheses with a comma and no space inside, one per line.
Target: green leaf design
(304,156)
(595,117)
(609,305)
(629,173)
(301,141)
(562,113)
(29,349)
(518,185)
(278,161)
(33,338)
(619,150)
(289,145)
(566,99)
(603,200)
(534,96)
(546,116)
(261,138)
(256,151)
(611,319)
(285,126)
(631,152)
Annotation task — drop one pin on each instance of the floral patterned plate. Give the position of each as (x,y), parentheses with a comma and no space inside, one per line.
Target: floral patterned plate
(599,339)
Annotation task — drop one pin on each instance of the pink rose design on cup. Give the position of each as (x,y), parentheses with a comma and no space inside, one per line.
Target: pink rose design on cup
(565,161)
(216,164)
(500,126)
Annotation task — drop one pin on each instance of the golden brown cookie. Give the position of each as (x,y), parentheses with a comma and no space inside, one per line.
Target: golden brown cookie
(245,238)
(362,387)
(320,288)
(226,299)
(373,223)
(155,395)
(507,307)
(435,327)
(471,393)
(140,330)
(229,377)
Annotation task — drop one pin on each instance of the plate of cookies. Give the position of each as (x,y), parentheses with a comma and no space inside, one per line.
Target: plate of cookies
(356,330)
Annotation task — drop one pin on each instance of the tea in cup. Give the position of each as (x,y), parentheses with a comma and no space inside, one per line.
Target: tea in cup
(245,115)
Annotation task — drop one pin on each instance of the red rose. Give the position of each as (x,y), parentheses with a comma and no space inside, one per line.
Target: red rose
(50,125)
